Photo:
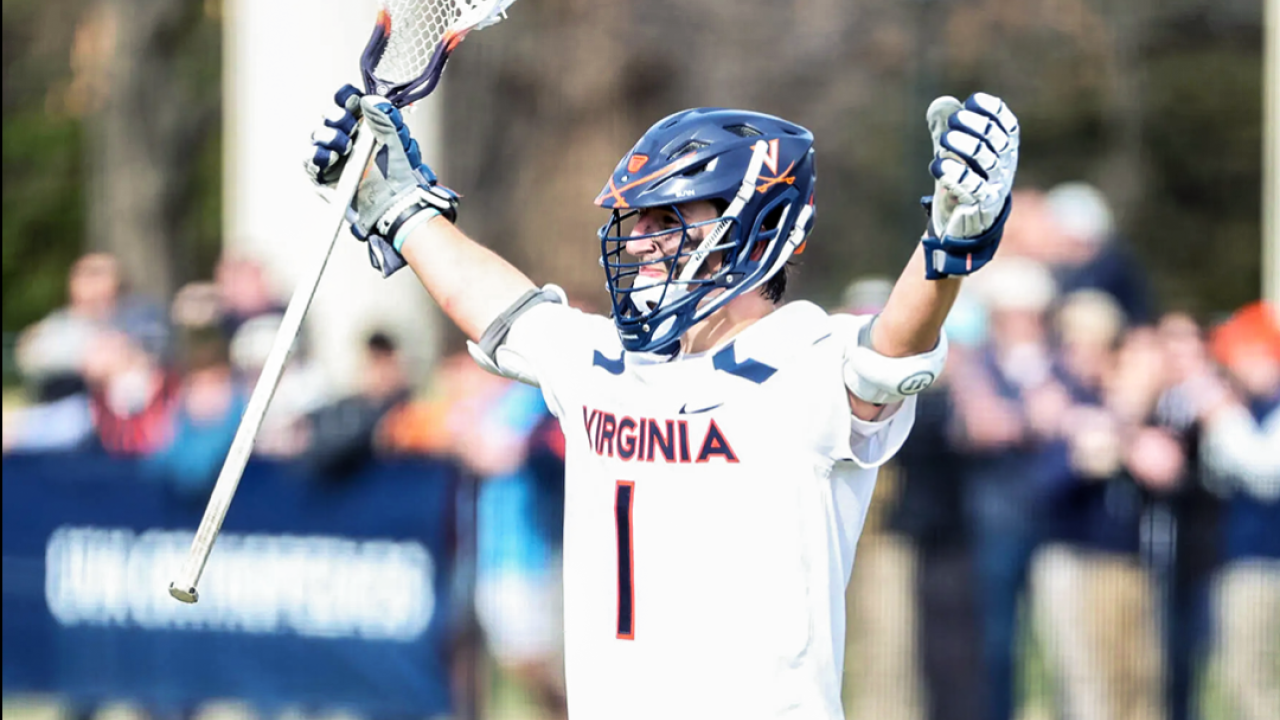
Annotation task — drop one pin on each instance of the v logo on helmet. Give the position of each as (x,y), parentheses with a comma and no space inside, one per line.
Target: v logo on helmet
(771,157)
(782,177)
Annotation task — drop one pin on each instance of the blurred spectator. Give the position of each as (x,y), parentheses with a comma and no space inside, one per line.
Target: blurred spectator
(50,356)
(56,354)
(928,513)
(1242,452)
(302,388)
(518,577)
(1003,433)
(1089,255)
(55,349)
(1030,231)
(131,396)
(243,293)
(504,436)
(342,433)
(239,305)
(197,306)
(546,464)
(204,423)
(424,425)
(57,421)
(1092,596)
(58,417)
(1183,541)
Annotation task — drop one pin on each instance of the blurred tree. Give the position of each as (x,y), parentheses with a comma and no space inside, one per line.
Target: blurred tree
(1200,219)
(154,106)
(539,117)
(43,159)
(111,125)
(111,140)
(1156,103)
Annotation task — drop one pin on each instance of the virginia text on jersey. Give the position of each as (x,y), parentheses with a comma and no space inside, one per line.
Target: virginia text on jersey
(646,439)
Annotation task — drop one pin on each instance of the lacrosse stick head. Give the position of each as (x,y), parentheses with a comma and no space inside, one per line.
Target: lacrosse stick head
(412,41)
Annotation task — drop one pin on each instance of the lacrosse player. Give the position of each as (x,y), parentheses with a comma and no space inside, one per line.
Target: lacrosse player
(722,445)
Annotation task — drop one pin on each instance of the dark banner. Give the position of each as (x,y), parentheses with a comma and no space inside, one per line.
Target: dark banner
(316,594)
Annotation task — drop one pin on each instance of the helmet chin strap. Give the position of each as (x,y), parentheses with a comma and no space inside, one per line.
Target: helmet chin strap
(794,239)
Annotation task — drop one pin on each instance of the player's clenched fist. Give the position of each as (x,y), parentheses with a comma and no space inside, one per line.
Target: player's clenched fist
(975,158)
(331,143)
(398,190)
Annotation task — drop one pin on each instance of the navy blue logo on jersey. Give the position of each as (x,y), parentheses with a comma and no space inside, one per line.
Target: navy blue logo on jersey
(685,410)
(645,439)
(750,369)
(613,367)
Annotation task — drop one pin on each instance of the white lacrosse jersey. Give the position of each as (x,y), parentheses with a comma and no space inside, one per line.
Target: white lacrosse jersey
(712,506)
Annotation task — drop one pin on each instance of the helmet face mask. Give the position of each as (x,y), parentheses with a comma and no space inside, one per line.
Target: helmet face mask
(759,168)
(680,277)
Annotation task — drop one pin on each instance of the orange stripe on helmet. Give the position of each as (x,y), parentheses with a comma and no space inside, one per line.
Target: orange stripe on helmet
(612,190)
(616,192)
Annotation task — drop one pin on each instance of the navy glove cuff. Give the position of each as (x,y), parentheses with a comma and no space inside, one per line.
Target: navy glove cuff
(948,256)
(383,256)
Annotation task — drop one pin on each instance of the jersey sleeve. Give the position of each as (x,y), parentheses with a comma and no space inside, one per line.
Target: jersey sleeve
(555,343)
(873,443)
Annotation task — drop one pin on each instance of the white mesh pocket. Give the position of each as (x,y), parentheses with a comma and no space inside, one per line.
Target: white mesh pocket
(418,26)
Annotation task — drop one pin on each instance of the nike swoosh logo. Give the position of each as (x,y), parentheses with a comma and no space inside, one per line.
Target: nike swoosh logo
(684,409)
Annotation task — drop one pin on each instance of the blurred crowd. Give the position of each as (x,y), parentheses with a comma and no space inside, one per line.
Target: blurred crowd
(1097,475)
(1091,471)
(116,373)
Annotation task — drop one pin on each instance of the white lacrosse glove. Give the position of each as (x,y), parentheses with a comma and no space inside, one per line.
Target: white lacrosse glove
(975,158)
(398,191)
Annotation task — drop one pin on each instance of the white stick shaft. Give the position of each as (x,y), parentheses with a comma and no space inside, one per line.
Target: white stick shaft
(184,586)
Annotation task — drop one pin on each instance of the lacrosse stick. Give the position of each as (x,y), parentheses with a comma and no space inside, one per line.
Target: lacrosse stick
(402,62)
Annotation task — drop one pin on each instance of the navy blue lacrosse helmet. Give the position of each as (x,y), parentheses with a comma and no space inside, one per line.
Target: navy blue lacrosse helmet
(759,172)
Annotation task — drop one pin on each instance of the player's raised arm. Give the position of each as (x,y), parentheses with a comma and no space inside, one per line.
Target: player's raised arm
(406,217)
(975,148)
(975,159)
(471,283)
